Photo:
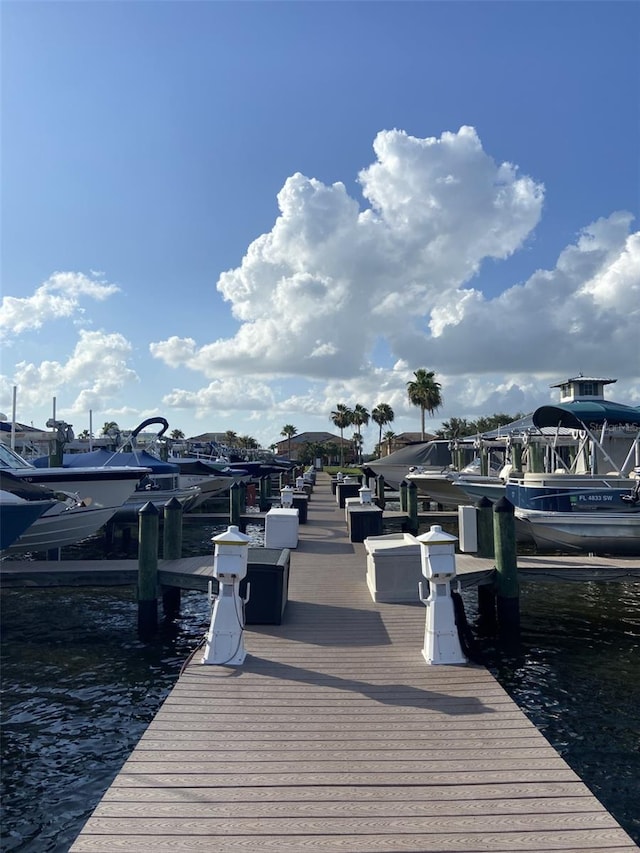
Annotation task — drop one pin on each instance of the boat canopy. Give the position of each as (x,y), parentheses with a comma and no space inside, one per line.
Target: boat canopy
(589,414)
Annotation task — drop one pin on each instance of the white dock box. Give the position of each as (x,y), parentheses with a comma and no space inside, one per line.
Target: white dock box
(394,568)
(281,528)
(468,529)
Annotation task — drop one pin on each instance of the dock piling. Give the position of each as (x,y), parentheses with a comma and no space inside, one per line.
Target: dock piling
(507,584)
(486,592)
(148,527)
(172,550)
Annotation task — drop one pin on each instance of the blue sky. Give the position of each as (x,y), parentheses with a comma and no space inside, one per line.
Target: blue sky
(238,214)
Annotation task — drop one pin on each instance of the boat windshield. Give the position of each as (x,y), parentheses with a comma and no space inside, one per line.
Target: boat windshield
(10,459)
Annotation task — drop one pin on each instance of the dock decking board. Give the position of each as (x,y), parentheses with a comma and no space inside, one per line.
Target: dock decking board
(335,735)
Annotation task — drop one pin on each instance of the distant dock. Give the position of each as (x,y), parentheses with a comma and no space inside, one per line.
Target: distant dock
(336,736)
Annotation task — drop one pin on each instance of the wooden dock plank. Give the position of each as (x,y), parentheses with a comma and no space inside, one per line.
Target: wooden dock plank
(335,735)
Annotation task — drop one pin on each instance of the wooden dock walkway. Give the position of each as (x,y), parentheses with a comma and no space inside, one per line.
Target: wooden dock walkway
(336,736)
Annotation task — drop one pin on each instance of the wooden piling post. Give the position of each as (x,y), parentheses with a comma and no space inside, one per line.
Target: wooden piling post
(235,503)
(172,550)
(380,491)
(148,526)
(403,496)
(265,490)
(412,508)
(507,584)
(486,592)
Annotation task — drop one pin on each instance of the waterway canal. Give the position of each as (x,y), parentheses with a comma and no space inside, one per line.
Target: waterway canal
(79,689)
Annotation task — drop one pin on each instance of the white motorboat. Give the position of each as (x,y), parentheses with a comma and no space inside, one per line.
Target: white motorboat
(92,498)
(214,479)
(602,533)
(446,488)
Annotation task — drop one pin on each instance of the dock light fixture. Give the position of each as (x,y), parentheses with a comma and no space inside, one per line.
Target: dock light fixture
(438,561)
(366,495)
(300,483)
(286,497)
(225,638)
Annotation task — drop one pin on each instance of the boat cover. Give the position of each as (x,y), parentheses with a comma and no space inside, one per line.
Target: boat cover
(107,459)
(586,413)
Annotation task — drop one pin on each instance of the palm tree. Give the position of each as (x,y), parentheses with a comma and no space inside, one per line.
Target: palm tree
(382,414)
(342,417)
(289,431)
(177,434)
(456,428)
(356,440)
(424,391)
(388,437)
(231,438)
(110,427)
(360,418)
(84,434)
(248,442)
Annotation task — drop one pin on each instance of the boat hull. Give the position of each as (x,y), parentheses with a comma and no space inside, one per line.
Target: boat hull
(16,516)
(603,533)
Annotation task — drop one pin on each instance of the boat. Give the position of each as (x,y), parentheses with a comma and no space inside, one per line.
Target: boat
(18,513)
(586,512)
(447,488)
(92,496)
(214,479)
(434,456)
(160,481)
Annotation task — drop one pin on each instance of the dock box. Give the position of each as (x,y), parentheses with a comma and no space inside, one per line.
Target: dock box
(363,520)
(281,528)
(347,490)
(394,568)
(268,576)
(301,503)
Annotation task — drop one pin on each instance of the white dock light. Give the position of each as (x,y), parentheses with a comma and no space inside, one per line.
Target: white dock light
(438,559)
(300,483)
(286,497)
(366,496)
(225,642)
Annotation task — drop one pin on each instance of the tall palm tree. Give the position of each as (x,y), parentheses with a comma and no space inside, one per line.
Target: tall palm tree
(360,418)
(288,430)
(388,437)
(110,427)
(382,415)
(177,434)
(342,417)
(424,391)
(231,438)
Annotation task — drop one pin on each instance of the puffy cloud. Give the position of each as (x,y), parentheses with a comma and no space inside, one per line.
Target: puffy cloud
(97,368)
(581,315)
(58,297)
(224,395)
(315,293)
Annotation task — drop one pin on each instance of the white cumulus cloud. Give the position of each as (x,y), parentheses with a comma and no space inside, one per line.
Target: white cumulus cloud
(58,297)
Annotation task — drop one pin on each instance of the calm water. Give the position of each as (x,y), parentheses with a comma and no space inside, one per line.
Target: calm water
(79,689)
